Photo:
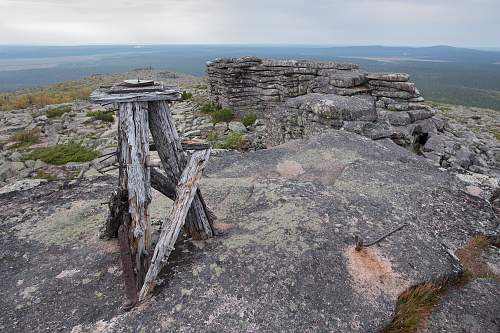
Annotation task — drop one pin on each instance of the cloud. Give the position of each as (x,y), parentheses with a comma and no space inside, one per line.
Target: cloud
(401,22)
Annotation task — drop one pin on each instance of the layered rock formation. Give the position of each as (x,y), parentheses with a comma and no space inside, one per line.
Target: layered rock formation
(302,98)
(256,84)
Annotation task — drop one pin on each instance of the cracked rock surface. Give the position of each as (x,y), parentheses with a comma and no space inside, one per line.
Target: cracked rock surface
(285,262)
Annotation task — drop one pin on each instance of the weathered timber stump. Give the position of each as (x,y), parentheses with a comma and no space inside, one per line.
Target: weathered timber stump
(142,105)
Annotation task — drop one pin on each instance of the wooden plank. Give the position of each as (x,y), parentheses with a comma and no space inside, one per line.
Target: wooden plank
(123,94)
(134,178)
(174,160)
(186,191)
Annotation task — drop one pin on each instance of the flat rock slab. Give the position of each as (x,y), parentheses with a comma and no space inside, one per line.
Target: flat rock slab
(286,261)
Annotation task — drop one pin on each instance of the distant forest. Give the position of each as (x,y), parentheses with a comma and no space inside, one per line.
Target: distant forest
(442,73)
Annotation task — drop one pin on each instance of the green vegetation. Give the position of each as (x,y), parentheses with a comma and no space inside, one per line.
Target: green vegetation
(63,153)
(210,107)
(413,308)
(217,113)
(233,140)
(186,96)
(41,174)
(249,119)
(57,113)
(222,115)
(106,116)
(25,138)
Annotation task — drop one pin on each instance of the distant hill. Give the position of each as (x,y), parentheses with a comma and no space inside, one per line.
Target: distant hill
(448,74)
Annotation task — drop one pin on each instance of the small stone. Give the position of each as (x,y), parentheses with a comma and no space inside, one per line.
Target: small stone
(67,273)
(237,126)
(16,156)
(474,191)
(29,164)
(39,164)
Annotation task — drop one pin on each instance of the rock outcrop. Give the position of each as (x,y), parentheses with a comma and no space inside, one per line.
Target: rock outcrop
(301,98)
(286,261)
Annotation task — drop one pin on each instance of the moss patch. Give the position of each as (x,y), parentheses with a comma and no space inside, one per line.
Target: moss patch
(57,113)
(106,116)
(63,153)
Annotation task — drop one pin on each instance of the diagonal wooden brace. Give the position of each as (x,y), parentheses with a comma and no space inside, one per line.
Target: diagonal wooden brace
(185,193)
(174,160)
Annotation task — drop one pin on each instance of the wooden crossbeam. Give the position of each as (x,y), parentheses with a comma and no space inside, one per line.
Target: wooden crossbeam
(174,160)
(185,193)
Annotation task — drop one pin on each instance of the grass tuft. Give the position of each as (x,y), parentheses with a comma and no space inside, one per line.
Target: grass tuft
(470,258)
(106,116)
(222,115)
(210,107)
(57,113)
(413,308)
(186,96)
(25,138)
(233,140)
(63,153)
(249,119)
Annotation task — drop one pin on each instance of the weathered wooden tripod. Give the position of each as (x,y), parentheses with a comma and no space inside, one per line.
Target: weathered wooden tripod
(143,106)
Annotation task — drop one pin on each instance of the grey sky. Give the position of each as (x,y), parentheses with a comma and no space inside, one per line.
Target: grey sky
(354,22)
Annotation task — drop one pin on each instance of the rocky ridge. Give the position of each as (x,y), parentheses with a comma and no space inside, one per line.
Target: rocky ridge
(302,98)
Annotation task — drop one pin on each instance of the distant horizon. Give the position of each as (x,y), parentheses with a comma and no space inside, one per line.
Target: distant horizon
(480,48)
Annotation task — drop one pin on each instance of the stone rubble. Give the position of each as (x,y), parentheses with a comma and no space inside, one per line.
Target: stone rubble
(76,126)
(300,98)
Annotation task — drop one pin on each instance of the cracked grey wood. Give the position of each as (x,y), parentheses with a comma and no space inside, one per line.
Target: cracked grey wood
(174,160)
(185,193)
(134,177)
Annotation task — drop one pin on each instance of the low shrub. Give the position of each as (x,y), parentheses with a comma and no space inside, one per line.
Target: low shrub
(233,140)
(63,153)
(249,119)
(186,96)
(106,116)
(222,115)
(210,107)
(57,113)
(25,138)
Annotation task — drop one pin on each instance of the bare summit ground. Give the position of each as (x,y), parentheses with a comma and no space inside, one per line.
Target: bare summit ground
(285,262)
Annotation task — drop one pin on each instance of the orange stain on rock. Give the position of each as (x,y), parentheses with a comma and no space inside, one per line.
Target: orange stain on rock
(372,273)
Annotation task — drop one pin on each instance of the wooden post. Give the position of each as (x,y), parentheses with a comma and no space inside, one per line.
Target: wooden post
(198,224)
(142,106)
(134,178)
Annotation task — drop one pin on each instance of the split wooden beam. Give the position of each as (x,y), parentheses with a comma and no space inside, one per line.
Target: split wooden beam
(199,224)
(185,194)
(134,179)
